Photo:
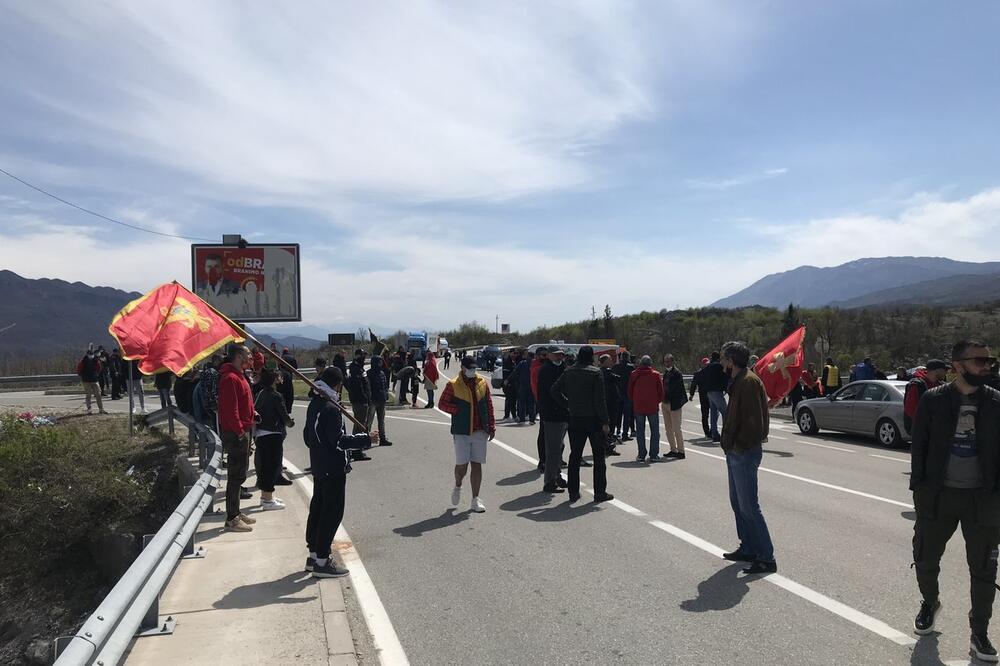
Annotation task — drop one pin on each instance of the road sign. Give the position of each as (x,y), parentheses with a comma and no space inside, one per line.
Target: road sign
(249,283)
(340,339)
(505,328)
(822,345)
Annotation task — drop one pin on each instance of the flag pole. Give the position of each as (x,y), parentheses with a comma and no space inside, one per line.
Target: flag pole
(286,365)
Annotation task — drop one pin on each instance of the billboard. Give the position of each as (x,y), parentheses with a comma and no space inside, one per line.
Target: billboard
(340,339)
(252,283)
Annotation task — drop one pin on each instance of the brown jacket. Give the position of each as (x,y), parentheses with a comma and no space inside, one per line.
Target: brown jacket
(747,419)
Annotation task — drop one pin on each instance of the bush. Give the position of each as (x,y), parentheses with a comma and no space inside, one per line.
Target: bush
(59,484)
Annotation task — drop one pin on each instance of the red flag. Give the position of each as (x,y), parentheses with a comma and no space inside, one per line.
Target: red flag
(781,367)
(170,329)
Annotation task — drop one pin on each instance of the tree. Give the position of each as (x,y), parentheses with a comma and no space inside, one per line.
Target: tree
(790,322)
(609,322)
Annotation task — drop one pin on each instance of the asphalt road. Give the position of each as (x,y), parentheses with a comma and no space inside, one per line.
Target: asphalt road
(639,580)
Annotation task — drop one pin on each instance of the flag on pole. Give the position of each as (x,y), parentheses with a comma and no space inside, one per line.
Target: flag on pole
(170,329)
(379,348)
(781,367)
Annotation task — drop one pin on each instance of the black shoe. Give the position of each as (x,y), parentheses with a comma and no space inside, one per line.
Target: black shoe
(562,483)
(573,498)
(245,494)
(738,556)
(612,452)
(385,442)
(429,405)
(670,454)
(981,647)
(531,422)
(329,570)
(563,464)
(310,563)
(926,617)
(761,567)
(548,488)
(586,463)
(626,438)
(680,456)
(361,456)
(282,481)
(541,468)
(717,439)
(603,497)
(308,469)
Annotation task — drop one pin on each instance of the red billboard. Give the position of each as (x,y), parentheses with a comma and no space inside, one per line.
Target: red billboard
(253,283)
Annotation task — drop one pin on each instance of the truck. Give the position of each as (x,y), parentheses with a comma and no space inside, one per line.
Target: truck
(442,347)
(416,342)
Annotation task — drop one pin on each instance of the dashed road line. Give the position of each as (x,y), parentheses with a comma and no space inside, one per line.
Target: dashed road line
(899,460)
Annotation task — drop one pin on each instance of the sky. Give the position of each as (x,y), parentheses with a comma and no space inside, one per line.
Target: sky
(466,161)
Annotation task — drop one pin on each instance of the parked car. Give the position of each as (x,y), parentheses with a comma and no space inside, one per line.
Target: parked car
(873,408)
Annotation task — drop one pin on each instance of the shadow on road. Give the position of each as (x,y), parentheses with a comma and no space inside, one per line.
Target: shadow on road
(909,515)
(780,454)
(560,512)
(446,519)
(527,501)
(269,592)
(724,590)
(526,476)
(926,652)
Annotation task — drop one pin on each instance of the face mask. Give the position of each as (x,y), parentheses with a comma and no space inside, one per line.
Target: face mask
(90,354)
(557,363)
(469,372)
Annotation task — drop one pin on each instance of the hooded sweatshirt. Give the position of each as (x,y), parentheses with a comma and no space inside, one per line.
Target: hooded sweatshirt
(235,401)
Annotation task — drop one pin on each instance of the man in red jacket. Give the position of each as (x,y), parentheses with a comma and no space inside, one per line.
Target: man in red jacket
(645,390)
(236,419)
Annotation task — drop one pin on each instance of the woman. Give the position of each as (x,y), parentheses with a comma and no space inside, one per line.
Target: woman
(431,376)
(271,426)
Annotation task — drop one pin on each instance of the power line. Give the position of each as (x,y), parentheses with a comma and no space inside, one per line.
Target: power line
(99,215)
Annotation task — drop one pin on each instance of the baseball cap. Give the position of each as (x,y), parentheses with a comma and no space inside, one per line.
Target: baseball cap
(556,350)
(936,364)
(705,361)
(542,350)
(468,362)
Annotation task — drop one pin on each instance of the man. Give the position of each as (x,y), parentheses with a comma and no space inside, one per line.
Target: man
(580,390)
(743,434)
(329,445)
(716,382)
(116,369)
(209,383)
(89,370)
(467,398)
(674,399)
(902,375)
(930,376)
(697,384)
(447,359)
(624,369)
(521,380)
(405,376)
(134,376)
(288,358)
(864,370)
(613,398)
(645,391)
(510,361)
(236,421)
(555,419)
(359,393)
(398,361)
(831,377)
(102,379)
(541,357)
(954,472)
(378,384)
(214,285)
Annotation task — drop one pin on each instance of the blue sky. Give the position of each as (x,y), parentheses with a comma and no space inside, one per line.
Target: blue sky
(441,163)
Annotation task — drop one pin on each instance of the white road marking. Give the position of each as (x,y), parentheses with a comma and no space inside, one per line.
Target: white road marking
(407,418)
(832,605)
(899,460)
(823,446)
(387,646)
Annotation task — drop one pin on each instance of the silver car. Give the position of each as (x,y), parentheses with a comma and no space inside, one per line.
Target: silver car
(873,408)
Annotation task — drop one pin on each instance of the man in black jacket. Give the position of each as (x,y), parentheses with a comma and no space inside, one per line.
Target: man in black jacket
(624,368)
(328,444)
(674,399)
(697,384)
(955,479)
(359,392)
(555,420)
(716,382)
(580,390)
(613,398)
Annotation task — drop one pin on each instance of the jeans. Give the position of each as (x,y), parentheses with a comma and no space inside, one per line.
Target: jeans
(326,510)
(525,406)
(579,432)
(135,388)
(269,454)
(164,394)
(755,539)
(377,409)
(430,397)
(555,436)
(717,402)
(654,433)
(237,449)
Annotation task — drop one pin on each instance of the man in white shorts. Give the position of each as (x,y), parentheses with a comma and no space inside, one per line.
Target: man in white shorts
(467,398)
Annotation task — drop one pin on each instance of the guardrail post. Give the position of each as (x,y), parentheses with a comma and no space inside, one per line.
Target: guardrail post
(151,624)
(191,551)
(193,443)
(170,419)
(59,644)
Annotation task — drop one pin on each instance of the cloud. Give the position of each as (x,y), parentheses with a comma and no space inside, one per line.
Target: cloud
(725,184)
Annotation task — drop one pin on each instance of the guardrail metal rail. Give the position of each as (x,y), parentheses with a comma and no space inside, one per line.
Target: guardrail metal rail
(131,609)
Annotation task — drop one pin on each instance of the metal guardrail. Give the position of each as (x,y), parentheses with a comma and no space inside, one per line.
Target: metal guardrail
(133,603)
(31,380)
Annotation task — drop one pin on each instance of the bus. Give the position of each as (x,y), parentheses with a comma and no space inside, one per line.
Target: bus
(416,342)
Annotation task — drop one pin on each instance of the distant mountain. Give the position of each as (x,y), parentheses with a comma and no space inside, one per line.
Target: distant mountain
(48,317)
(944,292)
(810,286)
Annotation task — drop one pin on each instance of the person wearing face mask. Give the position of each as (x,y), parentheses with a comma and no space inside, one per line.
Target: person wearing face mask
(236,422)
(955,479)
(89,369)
(469,401)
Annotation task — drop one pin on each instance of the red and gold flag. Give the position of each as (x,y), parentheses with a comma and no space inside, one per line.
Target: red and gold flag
(781,367)
(170,329)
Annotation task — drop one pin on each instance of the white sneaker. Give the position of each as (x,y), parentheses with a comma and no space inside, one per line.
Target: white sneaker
(477,505)
(456,495)
(272,505)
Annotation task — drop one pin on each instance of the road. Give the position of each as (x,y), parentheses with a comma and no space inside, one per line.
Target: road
(639,580)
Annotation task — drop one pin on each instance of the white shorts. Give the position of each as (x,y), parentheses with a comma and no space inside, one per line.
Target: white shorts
(470,448)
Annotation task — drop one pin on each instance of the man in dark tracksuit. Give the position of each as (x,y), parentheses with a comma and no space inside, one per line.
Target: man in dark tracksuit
(699,384)
(624,369)
(581,390)
(554,418)
(955,478)
(359,392)
(329,445)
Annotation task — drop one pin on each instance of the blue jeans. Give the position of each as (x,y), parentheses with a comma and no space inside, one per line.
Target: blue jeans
(755,539)
(717,406)
(654,433)
(525,406)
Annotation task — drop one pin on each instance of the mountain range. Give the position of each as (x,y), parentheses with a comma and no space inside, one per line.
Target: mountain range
(875,282)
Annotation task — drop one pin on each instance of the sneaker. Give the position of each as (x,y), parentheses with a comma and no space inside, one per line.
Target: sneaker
(361,455)
(549,488)
(329,570)
(981,648)
(103,411)
(738,556)
(603,497)
(670,454)
(655,458)
(247,519)
(89,411)
(245,494)
(680,455)
(310,563)
(456,495)
(926,618)
(477,505)
(385,442)
(282,481)
(562,483)
(272,505)
(612,452)
(573,498)
(640,458)
(761,567)
(237,525)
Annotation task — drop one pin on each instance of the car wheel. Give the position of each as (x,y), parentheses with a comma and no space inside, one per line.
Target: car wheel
(887,433)
(807,422)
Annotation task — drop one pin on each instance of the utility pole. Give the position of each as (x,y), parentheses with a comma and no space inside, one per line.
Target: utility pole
(496,328)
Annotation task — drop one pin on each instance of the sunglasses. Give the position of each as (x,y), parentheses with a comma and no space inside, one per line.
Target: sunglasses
(981,361)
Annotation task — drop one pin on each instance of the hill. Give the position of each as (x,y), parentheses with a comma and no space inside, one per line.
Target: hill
(948,291)
(809,286)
